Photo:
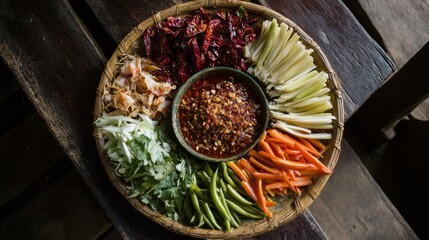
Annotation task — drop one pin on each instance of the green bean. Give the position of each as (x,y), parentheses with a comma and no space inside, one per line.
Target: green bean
(223,199)
(222,184)
(211,204)
(202,177)
(216,198)
(210,216)
(194,199)
(227,224)
(226,174)
(237,196)
(206,178)
(240,210)
(208,169)
(200,219)
(198,191)
(252,210)
(236,217)
(193,218)
(234,177)
(207,221)
(187,206)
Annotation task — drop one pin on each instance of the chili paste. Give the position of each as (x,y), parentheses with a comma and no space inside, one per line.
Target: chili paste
(218,116)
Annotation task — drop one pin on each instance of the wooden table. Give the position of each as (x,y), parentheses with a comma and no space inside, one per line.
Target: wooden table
(58,63)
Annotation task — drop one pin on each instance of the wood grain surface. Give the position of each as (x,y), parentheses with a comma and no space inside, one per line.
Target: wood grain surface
(26,146)
(353,206)
(119,18)
(51,215)
(403,25)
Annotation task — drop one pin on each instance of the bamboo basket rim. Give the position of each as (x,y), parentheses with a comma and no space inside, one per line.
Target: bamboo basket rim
(299,203)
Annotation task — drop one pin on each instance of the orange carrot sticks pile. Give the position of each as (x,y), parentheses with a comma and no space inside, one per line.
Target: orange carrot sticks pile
(278,164)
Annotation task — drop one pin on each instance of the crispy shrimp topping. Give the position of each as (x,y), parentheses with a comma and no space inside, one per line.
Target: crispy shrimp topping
(137,90)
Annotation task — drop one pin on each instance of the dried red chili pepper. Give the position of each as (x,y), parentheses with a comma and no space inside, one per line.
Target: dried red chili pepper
(209,34)
(184,45)
(147,39)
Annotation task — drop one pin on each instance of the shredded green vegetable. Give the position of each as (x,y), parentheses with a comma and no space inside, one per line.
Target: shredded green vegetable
(143,155)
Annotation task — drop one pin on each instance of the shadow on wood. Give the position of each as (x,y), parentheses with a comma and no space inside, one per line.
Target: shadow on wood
(403,91)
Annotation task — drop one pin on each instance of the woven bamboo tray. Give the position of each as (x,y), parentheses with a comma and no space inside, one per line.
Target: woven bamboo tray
(287,210)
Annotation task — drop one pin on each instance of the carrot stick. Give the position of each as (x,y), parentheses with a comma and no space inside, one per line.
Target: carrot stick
(283,146)
(271,192)
(243,162)
(270,203)
(288,182)
(290,174)
(293,152)
(296,157)
(301,183)
(268,181)
(249,190)
(252,152)
(268,176)
(286,156)
(261,198)
(316,143)
(266,147)
(312,159)
(307,144)
(309,172)
(267,162)
(237,171)
(263,167)
(275,140)
(284,163)
(290,142)
(247,173)
(278,191)
(277,151)
(302,178)
(276,185)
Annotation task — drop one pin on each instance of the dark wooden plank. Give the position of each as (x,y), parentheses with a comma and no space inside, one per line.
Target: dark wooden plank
(421,112)
(15,107)
(300,229)
(362,16)
(119,18)
(24,156)
(389,165)
(353,206)
(67,210)
(58,65)
(8,84)
(112,234)
(405,90)
(359,61)
(403,25)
